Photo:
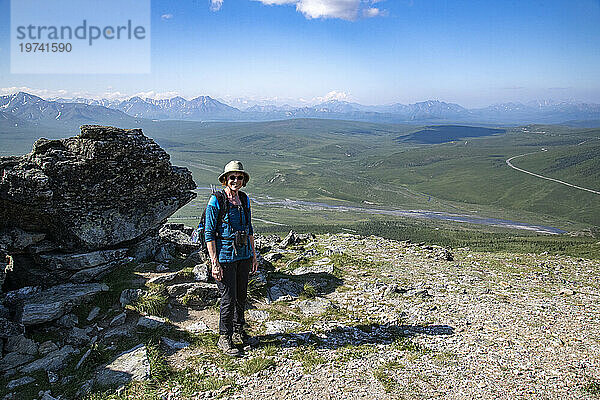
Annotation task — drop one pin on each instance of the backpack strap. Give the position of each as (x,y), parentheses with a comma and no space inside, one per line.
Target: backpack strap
(246,205)
(223,206)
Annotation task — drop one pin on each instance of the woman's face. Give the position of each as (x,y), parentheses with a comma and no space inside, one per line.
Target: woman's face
(235,180)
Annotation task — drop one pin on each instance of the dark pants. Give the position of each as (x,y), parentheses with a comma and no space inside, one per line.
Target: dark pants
(234,291)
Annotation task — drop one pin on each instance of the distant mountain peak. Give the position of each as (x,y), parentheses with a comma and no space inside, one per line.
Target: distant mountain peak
(203,108)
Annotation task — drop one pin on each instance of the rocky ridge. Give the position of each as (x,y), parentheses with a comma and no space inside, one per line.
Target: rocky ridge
(72,212)
(344,316)
(335,316)
(74,209)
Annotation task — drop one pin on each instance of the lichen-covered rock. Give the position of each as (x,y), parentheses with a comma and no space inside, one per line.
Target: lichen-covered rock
(266,243)
(201,273)
(315,306)
(195,258)
(145,249)
(294,238)
(13,360)
(179,236)
(171,278)
(101,188)
(47,347)
(54,361)
(21,344)
(80,261)
(10,328)
(151,322)
(283,290)
(280,326)
(130,365)
(53,303)
(129,296)
(198,294)
(26,380)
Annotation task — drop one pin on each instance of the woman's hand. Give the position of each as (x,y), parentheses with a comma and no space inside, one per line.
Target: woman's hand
(217,270)
(254,264)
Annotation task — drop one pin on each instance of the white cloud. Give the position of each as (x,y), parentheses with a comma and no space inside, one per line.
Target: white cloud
(277,2)
(348,10)
(249,101)
(109,93)
(156,95)
(333,95)
(371,12)
(343,9)
(166,17)
(43,93)
(215,5)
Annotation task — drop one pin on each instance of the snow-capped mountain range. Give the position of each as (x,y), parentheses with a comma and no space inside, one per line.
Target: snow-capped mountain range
(29,108)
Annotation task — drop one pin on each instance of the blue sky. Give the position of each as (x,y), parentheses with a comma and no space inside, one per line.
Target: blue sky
(474,53)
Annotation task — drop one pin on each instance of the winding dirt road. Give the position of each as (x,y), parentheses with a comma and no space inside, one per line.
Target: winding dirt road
(545,177)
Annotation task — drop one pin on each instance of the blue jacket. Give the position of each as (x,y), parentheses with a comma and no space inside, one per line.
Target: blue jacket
(234,220)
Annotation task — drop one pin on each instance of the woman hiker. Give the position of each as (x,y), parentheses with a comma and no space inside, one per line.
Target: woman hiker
(230,244)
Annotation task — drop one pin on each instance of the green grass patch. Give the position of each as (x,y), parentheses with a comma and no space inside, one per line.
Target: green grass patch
(271,349)
(354,352)
(384,374)
(592,387)
(256,364)
(308,291)
(309,357)
(152,302)
(405,344)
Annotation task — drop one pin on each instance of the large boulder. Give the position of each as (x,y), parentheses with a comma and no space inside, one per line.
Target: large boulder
(97,190)
(74,209)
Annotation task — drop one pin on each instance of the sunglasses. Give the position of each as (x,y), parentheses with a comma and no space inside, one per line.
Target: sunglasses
(236,177)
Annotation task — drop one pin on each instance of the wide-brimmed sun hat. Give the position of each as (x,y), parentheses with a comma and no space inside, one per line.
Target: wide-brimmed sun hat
(234,166)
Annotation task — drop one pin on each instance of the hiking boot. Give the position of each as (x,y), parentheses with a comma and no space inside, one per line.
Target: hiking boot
(240,337)
(244,339)
(226,345)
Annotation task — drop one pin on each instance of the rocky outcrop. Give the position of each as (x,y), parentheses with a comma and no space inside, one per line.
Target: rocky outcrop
(72,208)
(101,188)
(72,211)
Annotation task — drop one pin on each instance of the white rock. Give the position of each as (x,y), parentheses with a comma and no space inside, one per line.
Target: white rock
(199,326)
(258,315)
(174,344)
(280,326)
(26,380)
(151,322)
(93,314)
(130,365)
(119,319)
